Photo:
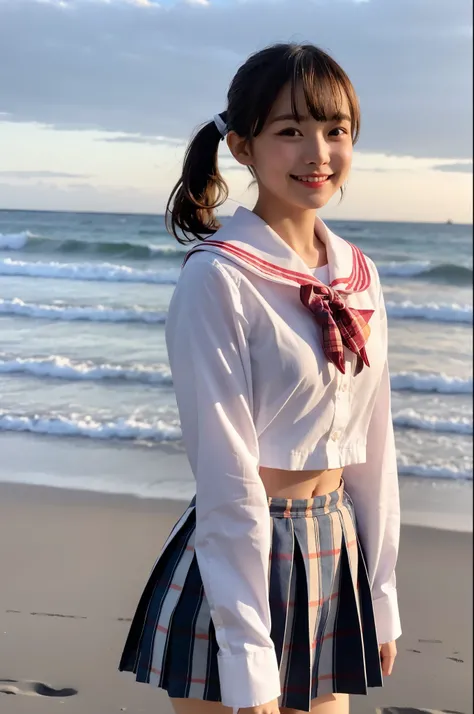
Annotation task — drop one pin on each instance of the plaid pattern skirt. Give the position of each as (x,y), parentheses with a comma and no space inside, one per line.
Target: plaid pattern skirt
(322,617)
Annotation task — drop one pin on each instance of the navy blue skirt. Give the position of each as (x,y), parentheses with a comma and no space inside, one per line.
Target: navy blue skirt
(321,608)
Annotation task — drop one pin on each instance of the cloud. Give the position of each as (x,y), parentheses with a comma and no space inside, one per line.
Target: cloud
(158,70)
(138,139)
(457,167)
(46,196)
(380,169)
(27,175)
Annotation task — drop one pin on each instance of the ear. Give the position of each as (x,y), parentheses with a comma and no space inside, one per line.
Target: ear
(239,148)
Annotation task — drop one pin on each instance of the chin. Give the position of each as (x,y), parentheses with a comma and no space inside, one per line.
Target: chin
(314,201)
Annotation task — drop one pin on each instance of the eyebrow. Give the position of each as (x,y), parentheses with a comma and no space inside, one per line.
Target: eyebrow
(291,117)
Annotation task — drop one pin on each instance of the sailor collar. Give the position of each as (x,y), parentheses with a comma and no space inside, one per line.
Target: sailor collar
(251,243)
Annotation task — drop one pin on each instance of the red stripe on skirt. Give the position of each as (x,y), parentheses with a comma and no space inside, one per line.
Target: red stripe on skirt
(315,642)
(310,556)
(311,603)
(184,678)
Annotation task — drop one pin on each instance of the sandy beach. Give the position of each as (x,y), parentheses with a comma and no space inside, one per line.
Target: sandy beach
(73,565)
(127,131)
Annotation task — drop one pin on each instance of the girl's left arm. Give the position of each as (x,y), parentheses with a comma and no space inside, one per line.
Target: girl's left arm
(373,487)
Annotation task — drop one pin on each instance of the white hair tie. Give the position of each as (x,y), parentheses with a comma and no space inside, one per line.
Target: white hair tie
(221,125)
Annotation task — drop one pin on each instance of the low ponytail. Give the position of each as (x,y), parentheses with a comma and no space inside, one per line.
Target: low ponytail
(200,190)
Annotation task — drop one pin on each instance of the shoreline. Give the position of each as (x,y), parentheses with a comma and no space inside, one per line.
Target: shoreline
(441,505)
(62,496)
(124,473)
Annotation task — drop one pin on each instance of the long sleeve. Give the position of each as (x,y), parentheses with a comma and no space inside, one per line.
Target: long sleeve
(210,364)
(373,487)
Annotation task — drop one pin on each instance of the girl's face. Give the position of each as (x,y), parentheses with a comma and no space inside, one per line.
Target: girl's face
(301,163)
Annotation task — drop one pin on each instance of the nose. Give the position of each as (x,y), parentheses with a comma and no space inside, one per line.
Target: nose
(317,152)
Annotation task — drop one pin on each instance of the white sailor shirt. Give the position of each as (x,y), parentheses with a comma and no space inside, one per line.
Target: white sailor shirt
(254,388)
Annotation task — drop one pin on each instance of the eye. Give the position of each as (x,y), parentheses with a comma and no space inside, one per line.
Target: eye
(289,131)
(338,128)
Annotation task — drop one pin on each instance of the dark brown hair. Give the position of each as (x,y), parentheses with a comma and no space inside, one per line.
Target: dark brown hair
(252,93)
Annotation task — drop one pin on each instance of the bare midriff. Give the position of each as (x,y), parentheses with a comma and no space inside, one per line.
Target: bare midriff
(281,483)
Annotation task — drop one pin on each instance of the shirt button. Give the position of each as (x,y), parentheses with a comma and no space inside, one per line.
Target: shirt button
(344,387)
(335,436)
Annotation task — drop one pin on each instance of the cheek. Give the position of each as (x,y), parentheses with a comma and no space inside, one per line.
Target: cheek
(275,160)
(343,154)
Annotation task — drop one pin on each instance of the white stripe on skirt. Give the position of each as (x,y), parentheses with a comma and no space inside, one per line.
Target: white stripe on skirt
(167,610)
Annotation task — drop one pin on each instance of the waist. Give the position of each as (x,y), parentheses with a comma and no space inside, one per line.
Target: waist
(310,507)
(285,483)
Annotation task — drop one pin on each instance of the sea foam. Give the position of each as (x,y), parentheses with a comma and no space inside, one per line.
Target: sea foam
(86,426)
(15,241)
(97,313)
(430,311)
(409,418)
(60,367)
(441,383)
(430,471)
(102,272)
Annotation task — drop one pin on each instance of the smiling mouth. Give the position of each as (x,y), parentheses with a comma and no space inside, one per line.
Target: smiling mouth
(311,179)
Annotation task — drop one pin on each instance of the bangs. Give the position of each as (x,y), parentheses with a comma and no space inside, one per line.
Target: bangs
(325,86)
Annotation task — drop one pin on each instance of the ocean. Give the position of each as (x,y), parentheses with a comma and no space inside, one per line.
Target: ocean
(84,375)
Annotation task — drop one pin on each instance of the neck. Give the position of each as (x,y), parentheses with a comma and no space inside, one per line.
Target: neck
(296,227)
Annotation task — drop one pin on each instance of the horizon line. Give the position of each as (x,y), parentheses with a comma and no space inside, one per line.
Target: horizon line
(448,221)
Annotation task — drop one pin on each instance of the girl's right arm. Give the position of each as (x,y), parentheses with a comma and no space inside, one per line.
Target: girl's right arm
(206,336)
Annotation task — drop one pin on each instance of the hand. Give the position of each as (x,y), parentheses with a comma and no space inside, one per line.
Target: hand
(270,708)
(388,652)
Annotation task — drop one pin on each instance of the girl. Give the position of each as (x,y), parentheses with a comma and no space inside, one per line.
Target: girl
(275,591)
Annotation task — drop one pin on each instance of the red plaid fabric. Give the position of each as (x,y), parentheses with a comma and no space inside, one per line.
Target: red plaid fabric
(341,325)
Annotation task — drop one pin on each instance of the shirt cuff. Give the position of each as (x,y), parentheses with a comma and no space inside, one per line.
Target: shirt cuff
(249,679)
(387,617)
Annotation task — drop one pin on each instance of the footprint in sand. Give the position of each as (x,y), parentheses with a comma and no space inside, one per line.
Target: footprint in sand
(31,688)
(59,614)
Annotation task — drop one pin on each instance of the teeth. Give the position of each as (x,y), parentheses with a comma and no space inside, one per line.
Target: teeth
(312,179)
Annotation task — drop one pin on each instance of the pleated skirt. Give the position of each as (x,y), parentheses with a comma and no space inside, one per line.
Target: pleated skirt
(322,616)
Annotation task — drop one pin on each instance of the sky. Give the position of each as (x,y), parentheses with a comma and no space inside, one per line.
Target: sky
(98,98)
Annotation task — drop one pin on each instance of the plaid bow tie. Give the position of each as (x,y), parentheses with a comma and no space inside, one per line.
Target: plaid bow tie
(341,325)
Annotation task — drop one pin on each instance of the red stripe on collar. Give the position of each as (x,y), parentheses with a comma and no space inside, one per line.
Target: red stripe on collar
(263,265)
(358,280)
